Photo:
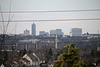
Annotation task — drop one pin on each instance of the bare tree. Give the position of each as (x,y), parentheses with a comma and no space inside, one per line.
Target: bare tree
(4,25)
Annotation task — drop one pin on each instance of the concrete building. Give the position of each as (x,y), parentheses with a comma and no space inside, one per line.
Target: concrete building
(52,32)
(76,32)
(46,33)
(43,33)
(57,32)
(33,29)
(26,32)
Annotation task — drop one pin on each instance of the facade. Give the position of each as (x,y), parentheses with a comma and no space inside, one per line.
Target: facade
(52,32)
(33,29)
(57,32)
(76,32)
(26,32)
(43,33)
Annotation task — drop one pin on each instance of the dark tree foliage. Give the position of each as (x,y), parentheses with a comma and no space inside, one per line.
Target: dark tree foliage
(50,52)
(3,57)
(24,51)
(70,58)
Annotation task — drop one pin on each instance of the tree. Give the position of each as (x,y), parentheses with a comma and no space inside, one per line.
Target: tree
(24,51)
(50,52)
(3,57)
(69,58)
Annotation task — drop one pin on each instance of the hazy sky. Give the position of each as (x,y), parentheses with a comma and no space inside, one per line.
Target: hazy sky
(52,5)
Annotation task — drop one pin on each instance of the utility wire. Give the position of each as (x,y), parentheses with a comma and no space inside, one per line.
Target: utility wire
(47,11)
(89,19)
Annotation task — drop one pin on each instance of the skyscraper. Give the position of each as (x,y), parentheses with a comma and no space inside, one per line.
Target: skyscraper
(33,29)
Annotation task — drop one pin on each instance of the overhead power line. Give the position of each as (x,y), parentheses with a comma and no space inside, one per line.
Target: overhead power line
(90,19)
(47,11)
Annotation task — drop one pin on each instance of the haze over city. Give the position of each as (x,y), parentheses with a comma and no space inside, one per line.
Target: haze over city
(49,33)
(91,26)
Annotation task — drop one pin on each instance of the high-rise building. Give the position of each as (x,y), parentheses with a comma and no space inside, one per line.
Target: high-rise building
(33,29)
(52,32)
(43,33)
(76,32)
(57,32)
(26,32)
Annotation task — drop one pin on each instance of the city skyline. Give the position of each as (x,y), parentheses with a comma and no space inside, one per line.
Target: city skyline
(12,30)
(91,26)
(40,32)
(49,33)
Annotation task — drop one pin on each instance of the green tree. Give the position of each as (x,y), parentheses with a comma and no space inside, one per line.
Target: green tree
(69,58)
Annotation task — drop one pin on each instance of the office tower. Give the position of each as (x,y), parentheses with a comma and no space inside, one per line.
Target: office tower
(26,32)
(43,33)
(57,32)
(33,29)
(52,32)
(76,32)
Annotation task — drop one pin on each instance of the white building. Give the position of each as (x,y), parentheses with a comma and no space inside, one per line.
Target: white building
(76,32)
